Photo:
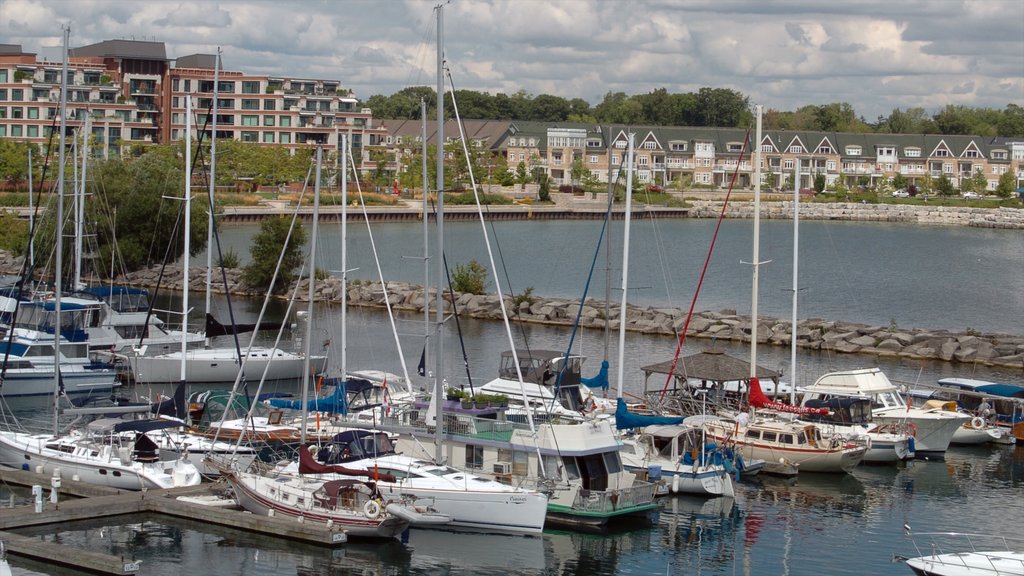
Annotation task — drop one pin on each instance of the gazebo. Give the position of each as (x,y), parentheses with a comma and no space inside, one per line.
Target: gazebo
(708,370)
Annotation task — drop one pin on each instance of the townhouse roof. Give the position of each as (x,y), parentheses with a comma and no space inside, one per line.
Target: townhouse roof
(489,131)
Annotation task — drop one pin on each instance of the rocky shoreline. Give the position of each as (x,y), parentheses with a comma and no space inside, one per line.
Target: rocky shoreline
(842,337)
(1002,218)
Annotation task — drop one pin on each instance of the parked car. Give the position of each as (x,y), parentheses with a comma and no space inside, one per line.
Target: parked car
(655,189)
(971,195)
(900,194)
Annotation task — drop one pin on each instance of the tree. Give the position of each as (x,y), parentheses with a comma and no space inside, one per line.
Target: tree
(1007,184)
(979,181)
(819,183)
(944,187)
(522,175)
(469,278)
(544,188)
(899,182)
(266,249)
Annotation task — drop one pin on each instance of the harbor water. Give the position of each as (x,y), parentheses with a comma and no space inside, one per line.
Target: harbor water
(911,276)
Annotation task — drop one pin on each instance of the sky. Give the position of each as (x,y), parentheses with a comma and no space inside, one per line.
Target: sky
(876,55)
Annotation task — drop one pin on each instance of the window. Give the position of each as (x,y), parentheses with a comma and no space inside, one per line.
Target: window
(3,75)
(768,436)
(825,149)
(3,130)
(650,145)
(17,94)
(285,138)
(971,153)
(188,85)
(788,165)
(474,457)
(226,87)
(942,153)
(269,105)
(268,120)
(33,131)
(284,121)
(250,104)
(250,121)
(15,131)
(247,136)
(642,160)
(796,149)
(853,151)
(947,168)
(175,84)
(592,159)
(767,148)
(734,146)
(996,154)
(250,87)
(17,112)
(912,152)
(33,113)
(3,94)
(830,165)
(268,137)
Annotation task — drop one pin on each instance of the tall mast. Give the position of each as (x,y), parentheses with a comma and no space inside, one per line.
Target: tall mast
(311,270)
(439,265)
(755,262)
(625,266)
(59,241)
(213,183)
(188,234)
(796,276)
(426,241)
(344,143)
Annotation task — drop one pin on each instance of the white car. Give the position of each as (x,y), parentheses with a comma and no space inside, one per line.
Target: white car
(901,194)
(971,195)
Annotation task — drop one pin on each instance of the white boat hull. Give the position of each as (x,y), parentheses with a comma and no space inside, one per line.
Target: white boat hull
(95,464)
(933,429)
(969,564)
(493,512)
(39,381)
(220,367)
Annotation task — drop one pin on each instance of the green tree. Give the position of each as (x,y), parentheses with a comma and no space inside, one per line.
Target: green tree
(469,278)
(522,175)
(944,187)
(979,182)
(1007,184)
(899,182)
(544,185)
(266,250)
(819,183)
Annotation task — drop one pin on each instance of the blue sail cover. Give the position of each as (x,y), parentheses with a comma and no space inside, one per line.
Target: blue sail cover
(624,419)
(600,380)
(336,403)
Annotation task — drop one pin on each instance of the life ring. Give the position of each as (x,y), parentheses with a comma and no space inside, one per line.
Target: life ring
(372,509)
(978,422)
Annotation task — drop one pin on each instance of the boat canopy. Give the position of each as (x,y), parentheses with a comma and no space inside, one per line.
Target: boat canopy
(1005,390)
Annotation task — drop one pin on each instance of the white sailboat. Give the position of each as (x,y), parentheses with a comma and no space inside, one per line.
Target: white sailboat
(100,453)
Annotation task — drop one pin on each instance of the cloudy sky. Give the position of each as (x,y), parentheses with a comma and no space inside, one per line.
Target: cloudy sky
(874,54)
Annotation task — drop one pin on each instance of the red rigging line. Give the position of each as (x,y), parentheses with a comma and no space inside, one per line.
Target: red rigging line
(707,260)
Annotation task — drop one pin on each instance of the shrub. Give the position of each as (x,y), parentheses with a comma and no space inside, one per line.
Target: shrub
(230,259)
(469,278)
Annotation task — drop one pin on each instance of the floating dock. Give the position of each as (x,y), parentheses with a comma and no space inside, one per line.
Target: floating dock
(83,501)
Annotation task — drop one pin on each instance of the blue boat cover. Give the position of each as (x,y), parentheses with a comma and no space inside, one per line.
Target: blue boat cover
(336,402)
(600,380)
(624,419)
(1005,390)
(145,425)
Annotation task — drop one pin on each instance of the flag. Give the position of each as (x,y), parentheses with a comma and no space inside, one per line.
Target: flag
(386,405)
(421,369)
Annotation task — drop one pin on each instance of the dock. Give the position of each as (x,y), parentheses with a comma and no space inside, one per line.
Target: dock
(83,501)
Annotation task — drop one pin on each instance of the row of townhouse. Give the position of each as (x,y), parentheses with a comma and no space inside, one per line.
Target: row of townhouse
(711,156)
(126,92)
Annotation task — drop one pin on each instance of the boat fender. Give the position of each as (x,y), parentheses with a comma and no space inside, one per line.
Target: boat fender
(913,429)
(371,509)
(675,484)
(977,422)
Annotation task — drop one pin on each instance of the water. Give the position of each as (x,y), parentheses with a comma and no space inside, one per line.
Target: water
(915,276)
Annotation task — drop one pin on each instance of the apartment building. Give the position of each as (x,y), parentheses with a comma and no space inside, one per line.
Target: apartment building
(129,92)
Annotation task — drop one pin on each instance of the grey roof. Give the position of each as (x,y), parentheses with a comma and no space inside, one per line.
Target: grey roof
(205,61)
(489,131)
(712,365)
(132,49)
(10,49)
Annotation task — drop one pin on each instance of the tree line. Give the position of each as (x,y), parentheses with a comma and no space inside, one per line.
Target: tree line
(711,107)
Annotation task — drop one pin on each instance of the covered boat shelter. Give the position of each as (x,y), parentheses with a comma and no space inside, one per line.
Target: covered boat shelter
(713,371)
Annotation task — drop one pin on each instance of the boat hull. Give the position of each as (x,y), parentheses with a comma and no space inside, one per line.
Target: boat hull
(933,430)
(40,381)
(493,512)
(102,466)
(207,367)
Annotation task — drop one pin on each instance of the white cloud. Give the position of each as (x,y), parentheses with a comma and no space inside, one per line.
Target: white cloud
(875,54)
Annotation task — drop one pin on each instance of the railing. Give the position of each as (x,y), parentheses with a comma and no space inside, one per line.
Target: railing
(607,501)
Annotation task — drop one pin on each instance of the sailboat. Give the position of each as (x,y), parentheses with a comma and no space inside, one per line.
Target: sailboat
(100,453)
(308,489)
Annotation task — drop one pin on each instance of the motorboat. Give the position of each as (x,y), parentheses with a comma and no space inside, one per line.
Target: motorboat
(472,502)
(790,442)
(932,429)
(974,555)
(851,417)
(683,461)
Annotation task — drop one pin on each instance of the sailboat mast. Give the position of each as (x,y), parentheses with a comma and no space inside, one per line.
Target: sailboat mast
(188,234)
(343,356)
(213,184)
(426,244)
(59,241)
(439,265)
(311,271)
(625,265)
(755,262)
(796,276)
(31,215)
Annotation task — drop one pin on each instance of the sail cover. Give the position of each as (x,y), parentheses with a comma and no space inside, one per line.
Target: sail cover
(759,400)
(624,419)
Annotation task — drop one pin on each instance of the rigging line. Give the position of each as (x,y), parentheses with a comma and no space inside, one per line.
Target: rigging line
(380,273)
(707,261)
(520,323)
(455,311)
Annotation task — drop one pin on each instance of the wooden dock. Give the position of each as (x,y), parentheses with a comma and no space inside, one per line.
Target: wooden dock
(83,501)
